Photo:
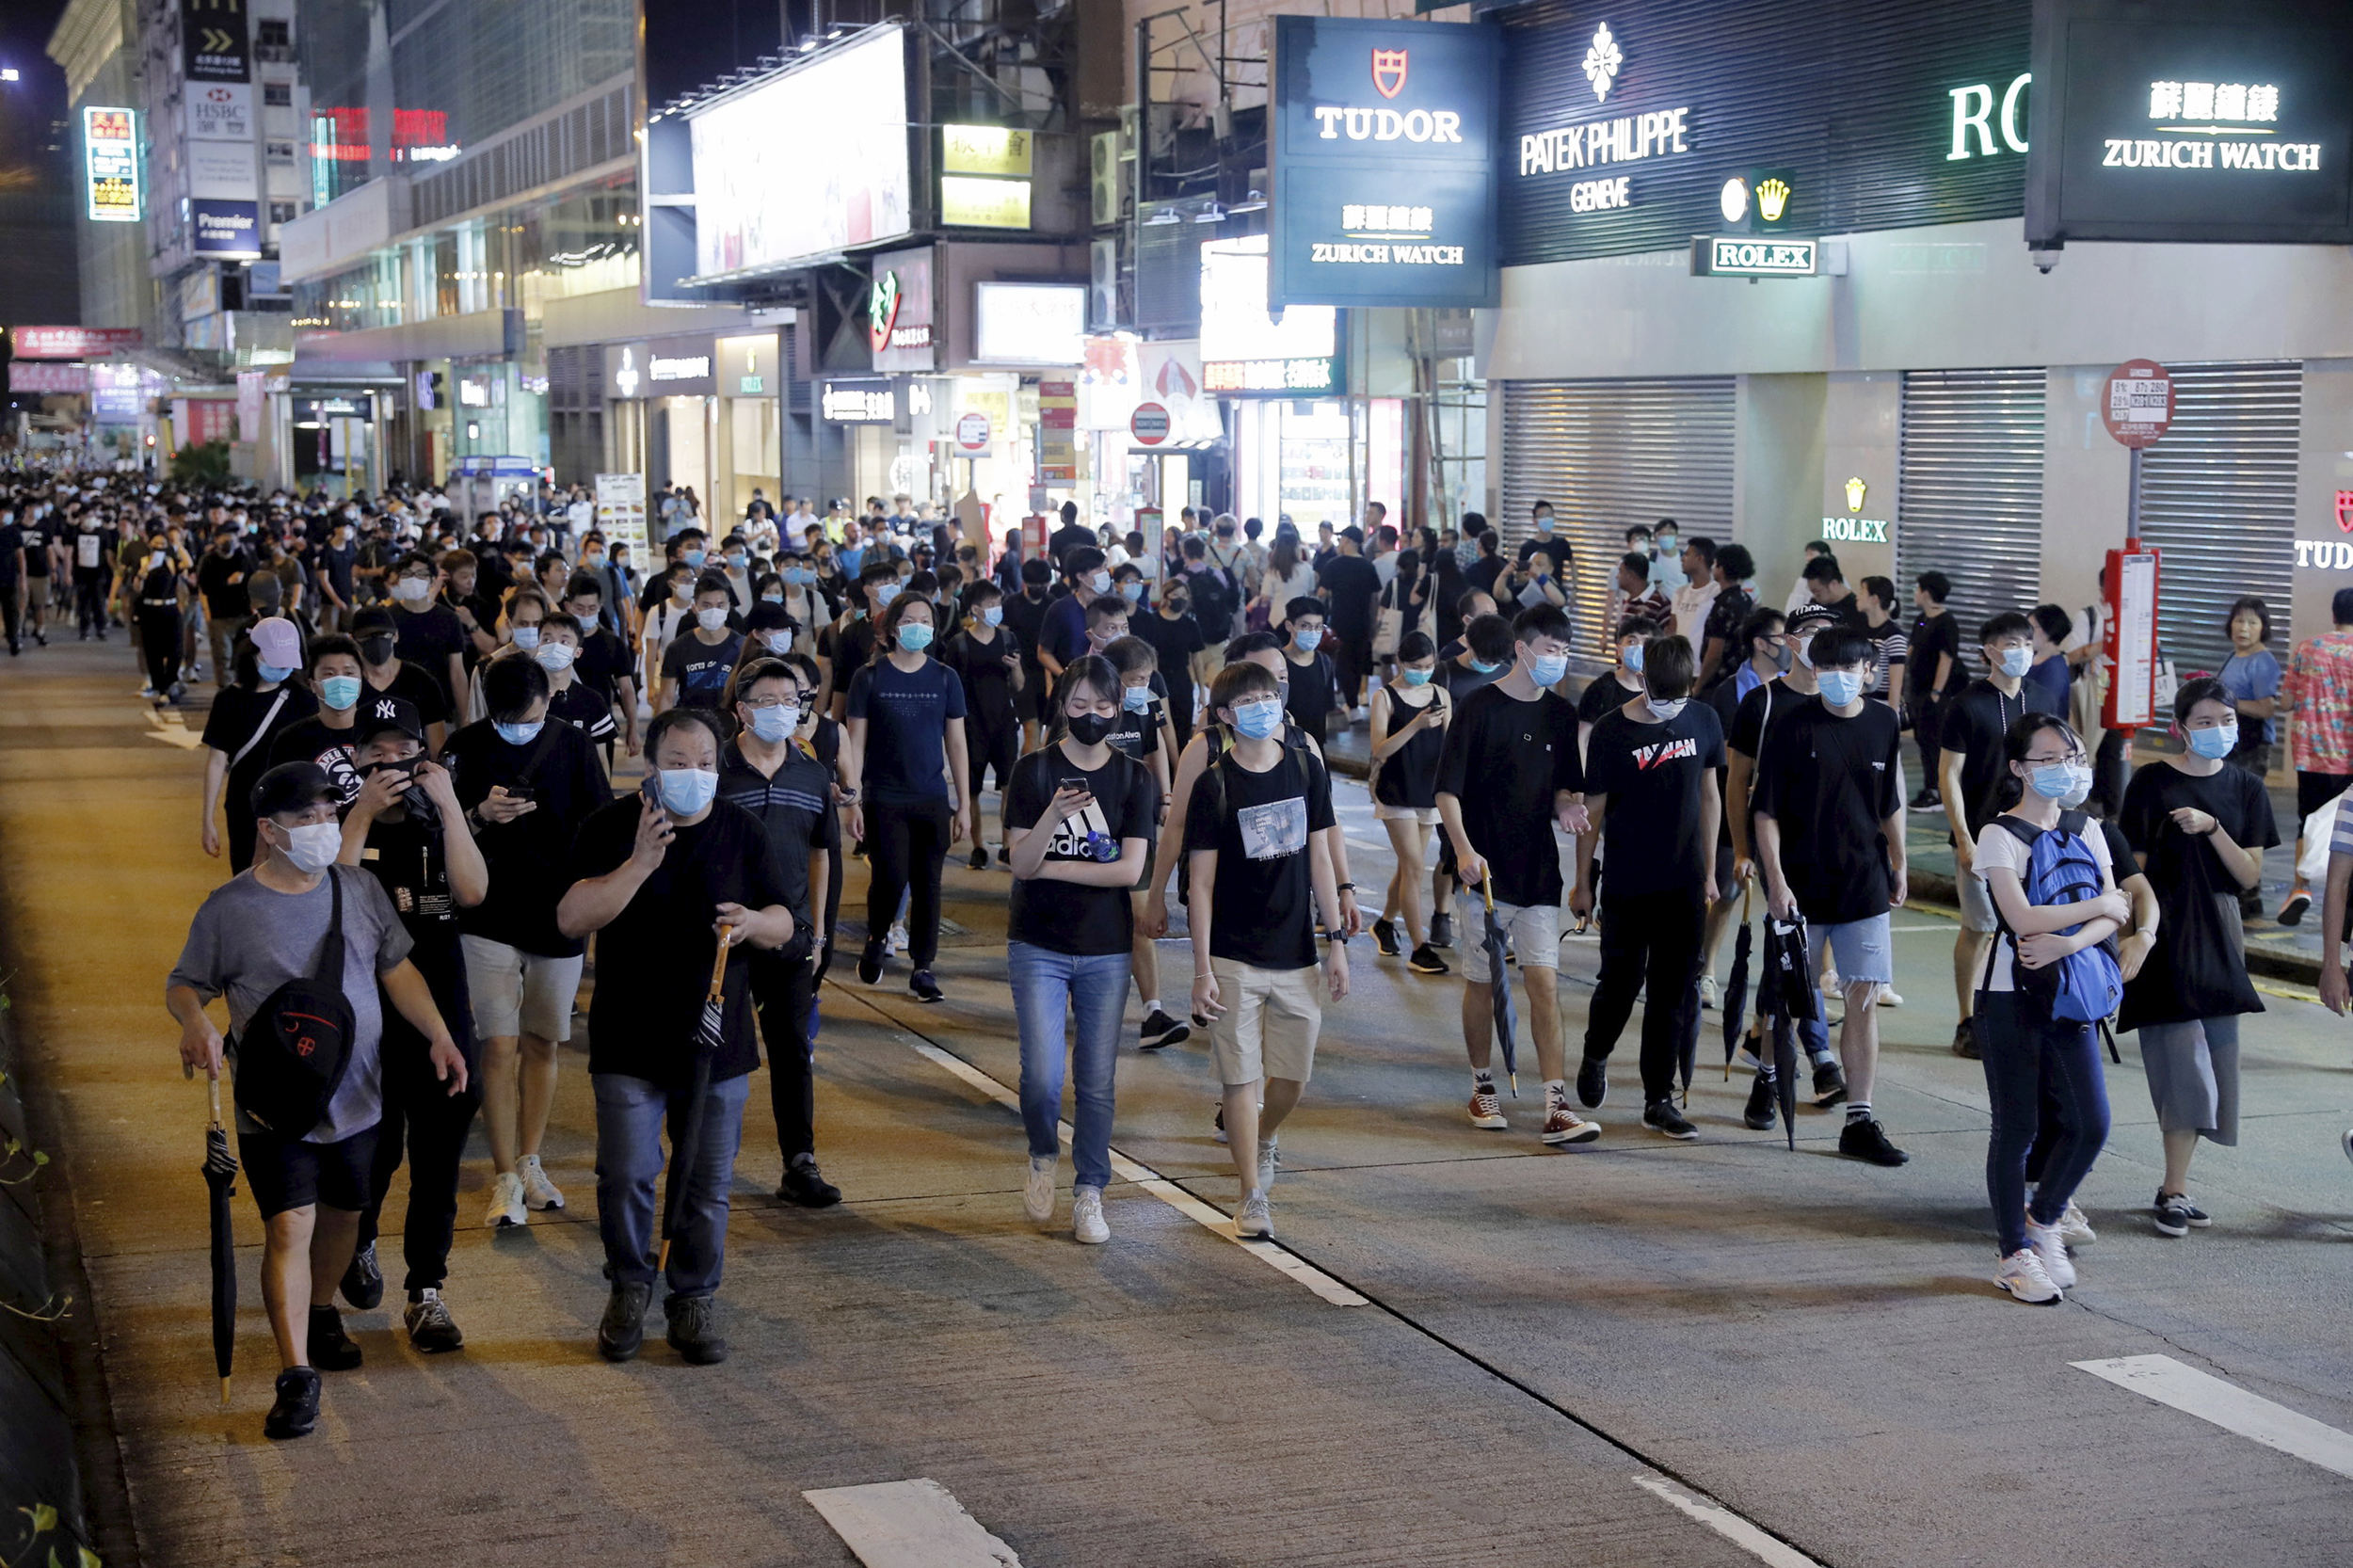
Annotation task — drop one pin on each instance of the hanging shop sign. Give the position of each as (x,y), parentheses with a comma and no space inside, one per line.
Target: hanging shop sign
(1028,323)
(859,401)
(72,343)
(110,165)
(1367,112)
(215,44)
(230,230)
(748,367)
(990,150)
(2137,403)
(2166,121)
(1058,432)
(900,320)
(1733,256)
(1243,348)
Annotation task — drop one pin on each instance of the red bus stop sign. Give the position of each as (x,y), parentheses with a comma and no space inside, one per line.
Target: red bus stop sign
(2139,403)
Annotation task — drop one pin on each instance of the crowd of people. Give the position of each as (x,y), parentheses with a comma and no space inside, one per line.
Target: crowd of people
(416,722)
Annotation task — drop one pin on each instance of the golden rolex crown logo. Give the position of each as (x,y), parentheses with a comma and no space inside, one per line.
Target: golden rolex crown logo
(1773,200)
(1854,495)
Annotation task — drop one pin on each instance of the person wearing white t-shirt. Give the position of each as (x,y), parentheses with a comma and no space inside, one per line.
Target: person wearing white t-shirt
(1802,592)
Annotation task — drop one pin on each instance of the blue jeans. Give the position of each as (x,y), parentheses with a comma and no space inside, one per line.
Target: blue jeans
(1044,984)
(2028,1054)
(630,1116)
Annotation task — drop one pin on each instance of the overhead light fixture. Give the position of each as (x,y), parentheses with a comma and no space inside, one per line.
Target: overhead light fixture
(807,45)
(1161,219)
(1255,204)
(1210,214)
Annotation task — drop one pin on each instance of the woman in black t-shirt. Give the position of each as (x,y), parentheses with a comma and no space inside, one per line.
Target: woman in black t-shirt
(244,720)
(1409,718)
(1080,819)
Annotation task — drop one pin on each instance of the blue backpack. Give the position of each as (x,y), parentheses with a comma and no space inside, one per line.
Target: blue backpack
(2085,987)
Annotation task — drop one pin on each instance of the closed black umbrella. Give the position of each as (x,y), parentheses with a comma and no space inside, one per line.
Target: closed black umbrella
(220,1174)
(709,1033)
(1507,1016)
(1787,999)
(1736,988)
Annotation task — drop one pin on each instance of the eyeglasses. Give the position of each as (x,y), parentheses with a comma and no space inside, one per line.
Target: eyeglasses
(760,704)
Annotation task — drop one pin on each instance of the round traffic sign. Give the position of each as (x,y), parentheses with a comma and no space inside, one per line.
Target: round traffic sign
(972,433)
(1149,424)
(2139,403)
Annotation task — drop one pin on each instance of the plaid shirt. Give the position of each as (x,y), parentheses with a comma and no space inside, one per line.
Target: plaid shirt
(2320,684)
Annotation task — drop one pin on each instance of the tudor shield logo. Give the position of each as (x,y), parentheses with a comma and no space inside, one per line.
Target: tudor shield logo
(1388,71)
(2345,510)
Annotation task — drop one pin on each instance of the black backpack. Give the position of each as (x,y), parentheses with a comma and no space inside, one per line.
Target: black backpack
(296,1046)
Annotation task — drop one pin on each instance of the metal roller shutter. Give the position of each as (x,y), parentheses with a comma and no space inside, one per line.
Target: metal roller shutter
(1969,490)
(2217,499)
(1608,455)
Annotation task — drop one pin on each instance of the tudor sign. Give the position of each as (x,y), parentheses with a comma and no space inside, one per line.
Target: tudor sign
(1149,424)
(2139,403)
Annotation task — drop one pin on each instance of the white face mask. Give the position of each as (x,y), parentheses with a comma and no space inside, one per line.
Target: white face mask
(710,620)
(414,590)
(1668,709)
(314,846)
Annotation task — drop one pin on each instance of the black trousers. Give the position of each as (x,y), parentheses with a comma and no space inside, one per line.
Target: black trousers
(90,604)
(905,848)
(159,642)
(1353,657)
(1926,713)
(1652,938)
(424,1119)
(782,990)
(9,612)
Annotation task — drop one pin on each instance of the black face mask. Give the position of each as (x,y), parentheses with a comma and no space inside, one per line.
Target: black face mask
(1089,728)
(377,650)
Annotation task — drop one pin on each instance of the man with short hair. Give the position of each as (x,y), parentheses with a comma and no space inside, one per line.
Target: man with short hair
(1826,580)
(1802,592)
(1349,585)
(429,634)
(1889,648)
(603,664)
(2319,691)
(694,668)
(1638,599)
(221,578)
(1720,642)
(1064,634)
(1932,673)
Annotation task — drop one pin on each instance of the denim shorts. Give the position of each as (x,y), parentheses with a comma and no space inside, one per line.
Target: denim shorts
(1859,950)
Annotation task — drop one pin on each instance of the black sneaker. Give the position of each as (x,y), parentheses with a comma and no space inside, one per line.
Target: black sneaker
(1441,931)
(1593,1081)
(1004,856)
(870,960)
(924,985)
(297,1408)
(1830,1084)
(804,1185)
(1862,1138)
(1426,961)
(431,1330)
(364,1281)
(1385,938)
(1966,1039)
(2292,912)
(1661,1116)
(623,1329)
(695,1330)
(1927,799)
(1761,1112)
(2177,1216)
(980,857)
(1160,1030)
(331,1349)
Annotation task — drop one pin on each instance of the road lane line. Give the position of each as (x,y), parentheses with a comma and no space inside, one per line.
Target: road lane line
(1724,1523)
(2227,1405)
(909,1524)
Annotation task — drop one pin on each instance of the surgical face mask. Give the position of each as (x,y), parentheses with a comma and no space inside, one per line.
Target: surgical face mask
(1544,523)
(2058,780)
(682,592)
(1840,687)
(1306,641)
(594,558)
(779,641)
(270,674)
(687,791)
(800,577)
(2017,660)
(525,637)
(2077,797)
(1802,648)
(692,558)
(915,636)
(2214,743)
(1136,699)
(556,658)
(414,590)
(772,598)
(710,619)
(772,724)
(1631,656)
(1131,592)
(518,734)
(1667,708)
(1483,667)
(1258,719)
(377,650)
(1416,678)
(312,847)
(340,692)
(736,559)
(1548,668)
(884,594)
(1100,581)
(992,615)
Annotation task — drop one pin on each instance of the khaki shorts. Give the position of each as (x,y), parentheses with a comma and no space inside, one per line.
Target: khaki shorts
(1269,1026)
(1426,815)
(516,993)
(1534,930)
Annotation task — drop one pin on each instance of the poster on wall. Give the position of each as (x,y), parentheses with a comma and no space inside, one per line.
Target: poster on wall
(622,512)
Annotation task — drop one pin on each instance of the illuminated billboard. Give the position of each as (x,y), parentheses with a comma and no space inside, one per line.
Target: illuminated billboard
(110,161)
(1243,348)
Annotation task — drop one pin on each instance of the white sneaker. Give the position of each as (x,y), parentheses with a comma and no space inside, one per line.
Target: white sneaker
(2051,1249)
(1037,1197)
(1830,985)
(1269,1162)
(2074,1229)
(2021,1274)
(1711,995)
(539,1191)
(895,940)
(506,1202)
(1888,997)
(1087,1216)
(1256,1217)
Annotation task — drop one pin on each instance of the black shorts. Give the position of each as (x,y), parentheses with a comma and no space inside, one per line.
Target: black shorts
(998,748)
(2316,790)
(285,1172)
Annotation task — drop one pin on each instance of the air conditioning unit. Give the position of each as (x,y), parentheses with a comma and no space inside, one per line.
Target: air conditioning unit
(1103,285)
(1108,179)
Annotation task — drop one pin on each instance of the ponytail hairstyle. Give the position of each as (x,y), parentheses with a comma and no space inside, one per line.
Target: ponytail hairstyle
(1094,673)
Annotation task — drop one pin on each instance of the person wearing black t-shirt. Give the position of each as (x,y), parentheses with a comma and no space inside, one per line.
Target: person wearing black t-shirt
(603,663)
(1408,718)
(1254,845)
(1314,688)
(1508,774)
(243,721)
(1479,657)
(569,697)
(393,675)
(528,785)
(408,828)
(1176,639)
(663,877)
(907,779)
(1607,694)
(324,738)
(1970,768)
(1561,561)
(428,634)
(988,662)
(696,666)
(1933,674)
(1650,782)
(1349,584)
(1082,817)
(1141,729)
(779,779)
(1829,826)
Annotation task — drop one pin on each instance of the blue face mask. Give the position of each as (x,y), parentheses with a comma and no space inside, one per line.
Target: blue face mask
(736,559)
(2017,660)
(526,637)
(1100,583)
(1548,668)
(1306,641)
(340,692)
(687,791)
(1131,592)
(772,598)
(992,615)
(271,674)
(915,636)
(800,577)
(1483,667)
(692,558)
(518,734)
(775,724)
(1416,678)
(884,594)
(2213,744)
(1258,719)
(1136,699)
(2055,780)
(1840,687)
(1632,658)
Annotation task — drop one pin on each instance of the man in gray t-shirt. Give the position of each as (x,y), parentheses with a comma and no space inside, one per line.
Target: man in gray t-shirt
(265,927)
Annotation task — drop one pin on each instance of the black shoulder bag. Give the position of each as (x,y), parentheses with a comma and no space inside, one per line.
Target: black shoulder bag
(296,1046)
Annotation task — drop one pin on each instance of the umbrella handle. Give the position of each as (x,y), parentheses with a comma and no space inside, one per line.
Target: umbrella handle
(211,1088)
(719,964)
(1487,891)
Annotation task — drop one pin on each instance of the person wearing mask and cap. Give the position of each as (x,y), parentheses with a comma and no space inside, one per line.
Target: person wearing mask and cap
(387,673)
(527,786)
(244,719)
(408,830)
(665,876)
(324,738)
(264,927)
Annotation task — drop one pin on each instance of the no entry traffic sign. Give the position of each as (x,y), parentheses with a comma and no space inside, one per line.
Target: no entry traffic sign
(1149,424)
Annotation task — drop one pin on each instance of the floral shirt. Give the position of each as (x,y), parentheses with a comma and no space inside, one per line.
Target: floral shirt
(2320,684)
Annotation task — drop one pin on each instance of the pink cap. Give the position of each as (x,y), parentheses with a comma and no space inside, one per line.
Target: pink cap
(279,642)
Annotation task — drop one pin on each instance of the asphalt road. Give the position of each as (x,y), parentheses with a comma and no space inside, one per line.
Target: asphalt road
(1630,1352)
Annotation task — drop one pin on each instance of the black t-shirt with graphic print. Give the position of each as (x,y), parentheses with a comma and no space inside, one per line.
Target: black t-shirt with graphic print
(1650,773)
(1068,916)
(1262,911)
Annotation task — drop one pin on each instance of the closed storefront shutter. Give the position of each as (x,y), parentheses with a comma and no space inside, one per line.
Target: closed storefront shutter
(1969,493)
(1608,455)
(2217,500)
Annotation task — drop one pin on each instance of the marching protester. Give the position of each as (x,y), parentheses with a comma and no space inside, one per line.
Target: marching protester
(1176,643)
(1261,867)
(569,697)
(1828,831)
(665,877)
(1312,684)
(2037,864)
(771,773)
(324,738)
(1141,731)
(696,666)
(408,830)
(1507,773)
(1932,673)
(1409,720)
(2200,828)
(1720,641)
(244,720)
(603,663)
(428,630)
(527,787)
(389,675)
(985,659)
(268,940)
(1080,814)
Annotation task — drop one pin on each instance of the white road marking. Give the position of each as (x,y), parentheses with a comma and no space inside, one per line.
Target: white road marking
(909,1524)
(172,730)
(1724,1522)
(2233,1409)
(1151,1181)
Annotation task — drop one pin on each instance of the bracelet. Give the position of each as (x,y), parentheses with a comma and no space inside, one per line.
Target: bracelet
(1346,887)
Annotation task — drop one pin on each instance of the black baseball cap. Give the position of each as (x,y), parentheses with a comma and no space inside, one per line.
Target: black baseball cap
(375,618)
(1809,618)
(380,712)
(289,787)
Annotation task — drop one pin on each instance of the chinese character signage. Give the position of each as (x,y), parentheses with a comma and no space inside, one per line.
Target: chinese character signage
(213,34)
(1243,348)
(1384,163)
(110,160)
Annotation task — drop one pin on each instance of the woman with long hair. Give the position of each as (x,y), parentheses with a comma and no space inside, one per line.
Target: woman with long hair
(1409,719)
(1288,575)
